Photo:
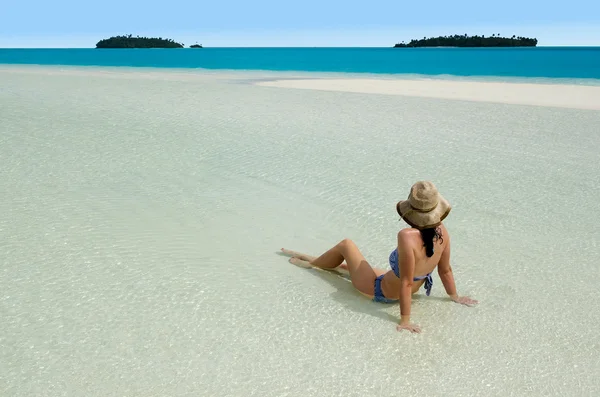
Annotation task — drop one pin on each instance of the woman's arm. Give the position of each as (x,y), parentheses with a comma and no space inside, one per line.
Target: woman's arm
(406,264)
(447,277)
(445,270)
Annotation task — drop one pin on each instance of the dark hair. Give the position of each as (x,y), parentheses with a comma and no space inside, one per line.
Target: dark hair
(429,236)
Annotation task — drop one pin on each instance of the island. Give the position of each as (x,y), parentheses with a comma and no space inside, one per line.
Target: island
(470,41)
(196,46)
(129,41)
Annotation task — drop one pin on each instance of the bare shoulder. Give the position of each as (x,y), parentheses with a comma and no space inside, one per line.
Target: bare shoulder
(407,237)
(407,232)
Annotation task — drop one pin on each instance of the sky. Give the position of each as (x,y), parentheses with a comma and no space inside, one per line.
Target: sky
(281,23)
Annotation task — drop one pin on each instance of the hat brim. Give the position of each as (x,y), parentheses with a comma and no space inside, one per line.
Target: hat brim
(424,220)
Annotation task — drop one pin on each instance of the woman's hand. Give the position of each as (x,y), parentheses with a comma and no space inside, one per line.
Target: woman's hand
(409,327)
(464,300)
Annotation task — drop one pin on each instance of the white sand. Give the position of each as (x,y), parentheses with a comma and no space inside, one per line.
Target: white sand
(555,95)
(142,211)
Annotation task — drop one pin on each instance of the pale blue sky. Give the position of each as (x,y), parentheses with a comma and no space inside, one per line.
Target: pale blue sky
(226,23)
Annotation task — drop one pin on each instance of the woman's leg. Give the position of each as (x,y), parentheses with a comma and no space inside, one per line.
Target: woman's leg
(298,255)
(361,273)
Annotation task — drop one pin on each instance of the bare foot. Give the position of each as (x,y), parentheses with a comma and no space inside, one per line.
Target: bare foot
(290,252)
(298,255)
(305,264)
(300,262)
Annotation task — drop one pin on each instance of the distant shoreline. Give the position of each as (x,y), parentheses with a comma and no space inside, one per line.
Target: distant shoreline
(316,47)
(129,42)
(466,41)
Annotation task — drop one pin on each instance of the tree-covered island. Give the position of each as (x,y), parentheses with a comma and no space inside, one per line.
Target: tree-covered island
(470,41)
(129,41)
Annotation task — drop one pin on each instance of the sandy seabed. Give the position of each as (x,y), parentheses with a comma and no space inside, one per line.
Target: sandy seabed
(553,95)
(142,211)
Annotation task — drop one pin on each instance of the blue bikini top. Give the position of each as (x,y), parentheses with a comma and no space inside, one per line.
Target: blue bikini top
(396,269)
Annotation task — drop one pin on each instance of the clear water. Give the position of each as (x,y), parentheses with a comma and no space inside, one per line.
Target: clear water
(541,62)
(142,213)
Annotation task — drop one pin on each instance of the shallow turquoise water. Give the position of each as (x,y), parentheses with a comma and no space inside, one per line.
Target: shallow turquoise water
(544,62)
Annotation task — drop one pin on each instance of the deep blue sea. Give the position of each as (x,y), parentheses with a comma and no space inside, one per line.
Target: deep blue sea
(540,62)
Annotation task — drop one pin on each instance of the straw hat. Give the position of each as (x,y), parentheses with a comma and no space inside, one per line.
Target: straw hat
(425,207)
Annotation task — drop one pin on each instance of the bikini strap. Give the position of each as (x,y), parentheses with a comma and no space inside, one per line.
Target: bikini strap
(428,282)
(393,259)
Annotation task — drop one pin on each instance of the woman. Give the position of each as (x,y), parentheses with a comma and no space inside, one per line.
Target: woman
(421,248)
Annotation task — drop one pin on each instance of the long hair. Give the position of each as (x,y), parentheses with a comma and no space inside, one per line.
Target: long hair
(430,236)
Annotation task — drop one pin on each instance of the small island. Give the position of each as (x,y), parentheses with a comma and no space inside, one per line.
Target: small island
(196,46)
(129,41)
(470,41)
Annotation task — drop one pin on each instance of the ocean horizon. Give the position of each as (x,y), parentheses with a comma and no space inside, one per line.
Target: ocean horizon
(580,64)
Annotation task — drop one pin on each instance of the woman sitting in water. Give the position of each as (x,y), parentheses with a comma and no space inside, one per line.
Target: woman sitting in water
(420,249)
